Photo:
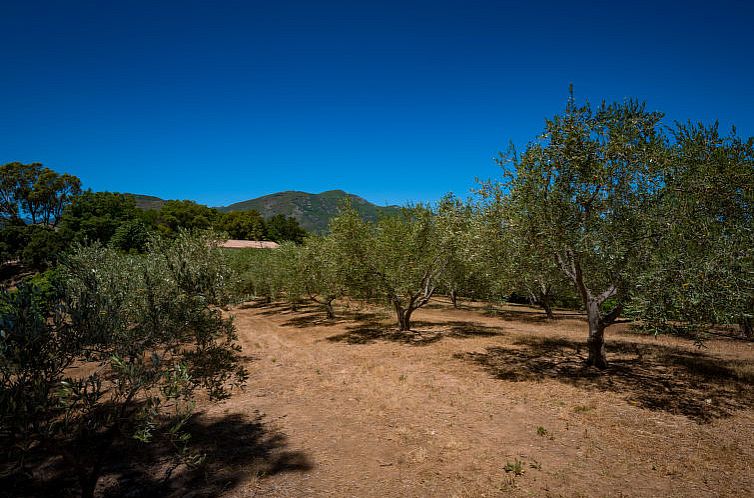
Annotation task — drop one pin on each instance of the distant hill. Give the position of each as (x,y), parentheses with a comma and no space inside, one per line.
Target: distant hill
(312,211)
(147,202)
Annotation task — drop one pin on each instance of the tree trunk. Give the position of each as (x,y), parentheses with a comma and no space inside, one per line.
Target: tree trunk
(543,298)
(403,315)
(597,320)
(330,310)
(596,340)
(747,326)
(454,298)
(546,303)
(548,309)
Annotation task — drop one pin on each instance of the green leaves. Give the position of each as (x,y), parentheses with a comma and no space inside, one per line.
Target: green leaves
(701,271)
(121,348)
(35,192)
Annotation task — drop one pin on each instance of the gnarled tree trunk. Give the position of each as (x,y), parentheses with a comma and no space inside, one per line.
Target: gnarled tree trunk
(544,300)
(454,298)
(547,307)
(330,310)
(325,301)
(598,319)
(403,315)
(596,340)
(415,300)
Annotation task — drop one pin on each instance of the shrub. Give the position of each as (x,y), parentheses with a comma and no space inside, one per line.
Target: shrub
(118,352)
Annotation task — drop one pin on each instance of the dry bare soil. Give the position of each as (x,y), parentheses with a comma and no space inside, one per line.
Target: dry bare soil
(479,402)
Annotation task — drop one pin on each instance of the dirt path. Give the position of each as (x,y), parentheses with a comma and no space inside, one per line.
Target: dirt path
(355,410)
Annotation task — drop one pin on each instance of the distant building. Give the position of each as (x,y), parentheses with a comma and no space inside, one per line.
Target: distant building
(249,244)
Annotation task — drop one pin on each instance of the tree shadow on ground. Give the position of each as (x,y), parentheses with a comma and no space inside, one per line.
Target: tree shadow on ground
(655,377)
(316,317)
(532,316)
(237,450)
(446,304)
(275,309)
(423,333)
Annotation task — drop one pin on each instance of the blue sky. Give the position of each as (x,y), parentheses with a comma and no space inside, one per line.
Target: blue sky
(395,101)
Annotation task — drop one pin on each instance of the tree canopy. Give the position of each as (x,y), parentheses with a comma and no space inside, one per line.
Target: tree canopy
(586,191)
(32,193)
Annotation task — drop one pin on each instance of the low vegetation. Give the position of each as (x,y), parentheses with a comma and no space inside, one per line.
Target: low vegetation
(116,349)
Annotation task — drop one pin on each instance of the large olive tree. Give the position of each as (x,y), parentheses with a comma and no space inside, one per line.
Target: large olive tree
(323,272)
(702,271)
(585,189)
(467,270)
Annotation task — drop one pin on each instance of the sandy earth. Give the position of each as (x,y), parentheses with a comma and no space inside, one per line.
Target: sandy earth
(352,408)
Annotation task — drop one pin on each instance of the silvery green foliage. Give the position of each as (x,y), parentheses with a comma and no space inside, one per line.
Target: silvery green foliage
(323,275)
(399,258)
(120,352)
(468,272)
(586,190)
(255,274)
(701,272)
(516,253)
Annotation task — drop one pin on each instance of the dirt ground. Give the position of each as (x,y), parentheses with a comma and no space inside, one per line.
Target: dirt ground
(479,403)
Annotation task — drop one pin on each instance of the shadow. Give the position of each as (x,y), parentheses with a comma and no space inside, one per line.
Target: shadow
(318,318)
(236,450)
(532,316)
(664,378)
(276,309)
(423,333)
(447,305)
(250,305)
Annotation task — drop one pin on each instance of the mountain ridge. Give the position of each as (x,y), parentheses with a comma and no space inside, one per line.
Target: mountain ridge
(312,211)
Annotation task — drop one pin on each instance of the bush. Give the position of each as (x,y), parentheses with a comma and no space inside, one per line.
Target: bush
(144,333)
(131,236)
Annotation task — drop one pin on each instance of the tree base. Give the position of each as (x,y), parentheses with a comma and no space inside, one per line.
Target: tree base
(597,362)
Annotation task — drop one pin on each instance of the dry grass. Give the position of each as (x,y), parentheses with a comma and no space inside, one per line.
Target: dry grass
(441,411)
(476,402)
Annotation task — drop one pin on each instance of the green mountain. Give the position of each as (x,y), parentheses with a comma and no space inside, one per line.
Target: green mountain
(147,202)
(312,211)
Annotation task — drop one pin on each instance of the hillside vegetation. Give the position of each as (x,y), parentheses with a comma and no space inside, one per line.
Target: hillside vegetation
(147,202)
(312,211)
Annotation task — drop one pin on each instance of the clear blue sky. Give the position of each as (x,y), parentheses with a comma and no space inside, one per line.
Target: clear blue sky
(221,101)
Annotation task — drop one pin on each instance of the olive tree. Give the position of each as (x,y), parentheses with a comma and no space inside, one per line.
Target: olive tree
(119,351)
(289,269)
(399,257)
(350,239)
(515,249)
(702,270)
(254,273)
(466,270)
(586,190)
(323,272)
